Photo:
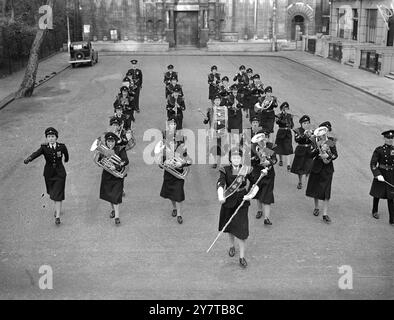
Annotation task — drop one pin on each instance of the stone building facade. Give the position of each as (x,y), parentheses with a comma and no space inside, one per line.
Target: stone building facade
(195,22)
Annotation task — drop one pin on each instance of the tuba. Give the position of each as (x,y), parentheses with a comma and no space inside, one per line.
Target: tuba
(106,159)
(175,166)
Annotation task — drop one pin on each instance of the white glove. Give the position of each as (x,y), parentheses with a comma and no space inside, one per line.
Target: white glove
(380,178)
(251,194)
(265,171)
(221,195)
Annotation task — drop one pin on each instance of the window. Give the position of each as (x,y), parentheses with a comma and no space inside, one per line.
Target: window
(341,23)
(355,24)
(370,35)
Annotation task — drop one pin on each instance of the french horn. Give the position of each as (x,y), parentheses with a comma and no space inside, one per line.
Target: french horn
(106,159)
(175,166)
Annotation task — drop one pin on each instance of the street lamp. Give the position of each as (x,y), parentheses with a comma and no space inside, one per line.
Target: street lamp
(274,5)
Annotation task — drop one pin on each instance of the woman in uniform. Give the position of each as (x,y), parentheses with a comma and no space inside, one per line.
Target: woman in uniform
(264,157)
(302,161)
(322,171)
(239,226)
(283,141)
(54,171)
(111,188)
(264,108)
(173,146)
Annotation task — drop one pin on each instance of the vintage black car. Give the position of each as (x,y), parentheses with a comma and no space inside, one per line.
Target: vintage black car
(81,53)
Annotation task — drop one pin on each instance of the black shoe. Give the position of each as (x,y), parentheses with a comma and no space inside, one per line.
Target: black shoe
(326,219)
(214,166)
(280,163)
(138,110)
(288,168)
(316,212)
(243,262)
(112,214)
(174,213)
(179,219)
(299,186)
(57,221)
(375,215)
(259,214)
(117,221)
(231,252)
(267,221)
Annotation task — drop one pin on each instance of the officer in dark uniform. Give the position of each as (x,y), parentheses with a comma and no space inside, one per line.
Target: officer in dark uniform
(255,92)
(54,171)
(169,75)
(213,81)
(136,76)
(382,167)
(234,105)
(128,103)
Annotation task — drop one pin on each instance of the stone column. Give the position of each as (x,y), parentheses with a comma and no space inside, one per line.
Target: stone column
(204,31)
(217,19)
(170,27)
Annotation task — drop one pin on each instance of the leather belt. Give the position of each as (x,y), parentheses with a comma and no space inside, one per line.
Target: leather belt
(386,167)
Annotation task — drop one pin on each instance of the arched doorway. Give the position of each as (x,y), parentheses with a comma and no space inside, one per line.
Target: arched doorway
(297,25)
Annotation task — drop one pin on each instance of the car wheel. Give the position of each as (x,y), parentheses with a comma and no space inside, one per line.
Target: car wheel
(80,56)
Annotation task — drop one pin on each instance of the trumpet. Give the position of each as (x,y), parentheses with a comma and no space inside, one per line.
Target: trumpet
(176,166)
(106,159)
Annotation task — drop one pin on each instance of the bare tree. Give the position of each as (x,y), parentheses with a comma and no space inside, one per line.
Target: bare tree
(27,87)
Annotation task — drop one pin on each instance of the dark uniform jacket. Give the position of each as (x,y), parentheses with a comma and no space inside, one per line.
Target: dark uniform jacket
(136,75)
(318,164)
(53,157)
(128,104)
(382,163)
(171,103)
(226,178)
(170,89)
(303,141)
(242,79)
(168,76)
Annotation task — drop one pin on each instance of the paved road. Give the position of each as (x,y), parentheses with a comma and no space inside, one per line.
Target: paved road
(150,255)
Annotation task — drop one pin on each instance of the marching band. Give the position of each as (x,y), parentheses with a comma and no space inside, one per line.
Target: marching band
(238,182)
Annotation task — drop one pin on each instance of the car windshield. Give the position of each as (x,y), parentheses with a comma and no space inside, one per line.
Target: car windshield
(80,46)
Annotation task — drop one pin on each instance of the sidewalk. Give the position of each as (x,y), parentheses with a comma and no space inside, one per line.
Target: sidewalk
(47,69)
(379,87)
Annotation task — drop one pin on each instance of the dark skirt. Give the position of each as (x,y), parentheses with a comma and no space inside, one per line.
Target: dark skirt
(302,162)
(239,226)
(319,185)
(283,141)
(172,188)
(235,123)
(266,185)
(55,187)
(268,120)
(111,188)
